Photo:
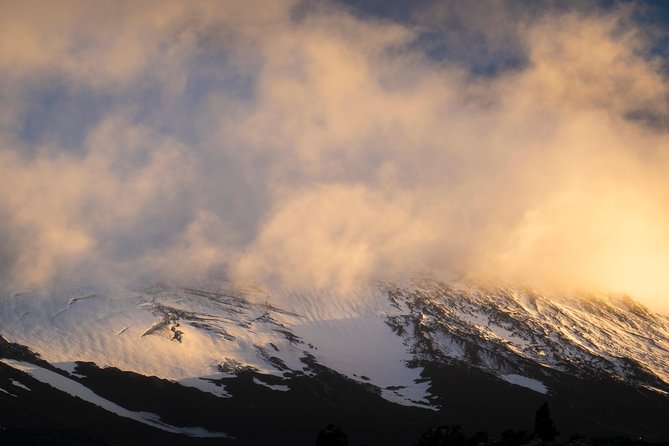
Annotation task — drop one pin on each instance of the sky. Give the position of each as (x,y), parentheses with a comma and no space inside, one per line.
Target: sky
(332,144)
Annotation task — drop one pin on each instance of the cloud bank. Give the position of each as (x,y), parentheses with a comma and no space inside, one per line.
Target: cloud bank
(294,144)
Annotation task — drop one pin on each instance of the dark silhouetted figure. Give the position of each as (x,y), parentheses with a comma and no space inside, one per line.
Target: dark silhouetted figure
(544,429)
(331,436)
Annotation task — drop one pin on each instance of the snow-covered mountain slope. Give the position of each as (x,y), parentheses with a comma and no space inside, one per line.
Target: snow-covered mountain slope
(194,336)
(513,332)
(381,337)
(417,353)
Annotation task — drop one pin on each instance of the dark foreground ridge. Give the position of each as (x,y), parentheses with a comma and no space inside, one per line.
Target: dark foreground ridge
(545,433)
(255,415)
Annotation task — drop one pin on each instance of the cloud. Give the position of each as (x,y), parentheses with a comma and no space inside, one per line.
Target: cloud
(338,235)
(299,144)
(65,211)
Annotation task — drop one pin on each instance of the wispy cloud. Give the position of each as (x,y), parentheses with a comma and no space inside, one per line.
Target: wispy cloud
(303,144)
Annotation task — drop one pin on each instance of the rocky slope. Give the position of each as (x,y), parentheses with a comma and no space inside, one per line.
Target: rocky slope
(419,353)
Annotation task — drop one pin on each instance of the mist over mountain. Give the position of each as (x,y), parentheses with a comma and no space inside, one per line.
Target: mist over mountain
(318,144)
(279,221)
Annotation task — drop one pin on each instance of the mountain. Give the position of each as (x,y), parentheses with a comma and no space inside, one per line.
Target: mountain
(219,364)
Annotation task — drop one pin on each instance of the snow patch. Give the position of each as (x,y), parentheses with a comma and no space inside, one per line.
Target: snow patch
(69,367)
(206,384)
(19,385)
(279,387)
(524,381)
(4,391)
(364,345)
(76,389)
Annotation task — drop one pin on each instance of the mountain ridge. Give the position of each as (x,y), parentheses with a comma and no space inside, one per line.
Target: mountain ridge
(435,350)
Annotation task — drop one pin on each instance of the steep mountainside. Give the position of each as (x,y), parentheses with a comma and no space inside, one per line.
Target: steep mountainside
(421,354)
(507,331)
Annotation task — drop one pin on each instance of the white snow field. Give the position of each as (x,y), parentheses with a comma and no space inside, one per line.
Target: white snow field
(198,334)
